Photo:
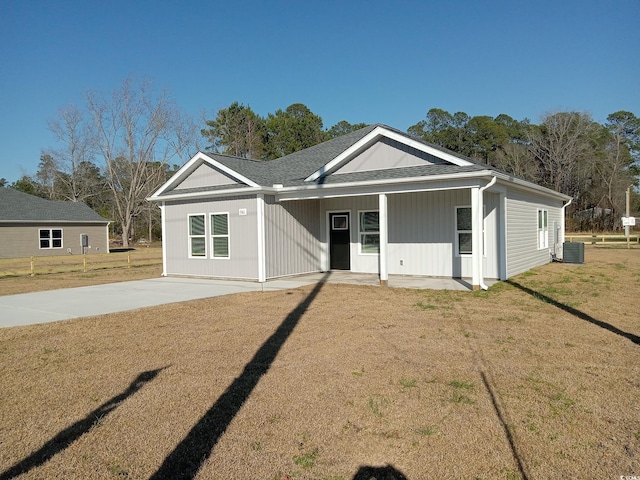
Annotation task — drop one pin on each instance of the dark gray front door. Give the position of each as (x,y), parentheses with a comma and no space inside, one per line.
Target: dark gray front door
(339,241)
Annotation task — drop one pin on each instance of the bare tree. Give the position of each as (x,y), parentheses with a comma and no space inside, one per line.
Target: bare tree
(134,130)
(71,166)
(559,144)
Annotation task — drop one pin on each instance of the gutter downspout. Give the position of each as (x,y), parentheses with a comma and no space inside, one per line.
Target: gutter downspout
(483,286)
(564,214)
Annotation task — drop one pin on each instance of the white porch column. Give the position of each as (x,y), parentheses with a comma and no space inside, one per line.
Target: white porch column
(384,237)
(163,222)
(261,239)
(476,237)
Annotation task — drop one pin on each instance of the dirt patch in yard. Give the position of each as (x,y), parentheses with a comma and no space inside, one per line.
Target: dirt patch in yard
(535,378)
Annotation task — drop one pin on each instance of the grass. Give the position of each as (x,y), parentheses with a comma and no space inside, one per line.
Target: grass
(436,396)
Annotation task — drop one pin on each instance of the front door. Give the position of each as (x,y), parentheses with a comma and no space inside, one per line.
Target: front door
(339,241)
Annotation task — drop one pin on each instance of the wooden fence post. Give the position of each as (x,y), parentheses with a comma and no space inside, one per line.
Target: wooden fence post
(128,260)
(84,263)
(33,267)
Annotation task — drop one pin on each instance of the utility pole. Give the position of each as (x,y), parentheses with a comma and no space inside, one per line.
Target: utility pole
(627,227)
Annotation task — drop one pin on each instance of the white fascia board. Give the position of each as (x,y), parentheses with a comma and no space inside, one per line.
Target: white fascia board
(373,187)
(198,159)
(383,132)
(209,194)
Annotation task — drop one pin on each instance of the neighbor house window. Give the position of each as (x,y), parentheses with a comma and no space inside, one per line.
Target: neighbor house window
(220,235)
(369,231)
(463,230)
(543,229)
(50,238)
(197,238)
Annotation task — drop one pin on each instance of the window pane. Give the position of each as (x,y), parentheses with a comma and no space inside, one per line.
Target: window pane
(196,225)
(198,247)
(220,224)
(221,247)
(44,243)
(369,222)
(339,222)
(44,233)
(464,243)
(56,233)
(57,243)
(370,242)
(545,223)
(463,220)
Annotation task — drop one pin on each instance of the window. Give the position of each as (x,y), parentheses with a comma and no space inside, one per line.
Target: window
(220,235)
(340,222)
(197,238)
(50,238)
(543,229)
(369,230)
(463,230)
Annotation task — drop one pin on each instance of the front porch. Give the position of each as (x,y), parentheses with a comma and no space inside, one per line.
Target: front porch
(395,281)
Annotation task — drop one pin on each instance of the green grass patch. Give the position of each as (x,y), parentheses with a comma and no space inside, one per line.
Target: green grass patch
(306,460)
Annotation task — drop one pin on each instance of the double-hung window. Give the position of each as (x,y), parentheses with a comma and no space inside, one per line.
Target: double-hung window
(50,238)
(463,230)
(369,232)
(543,229)
(197,236)
(220,235)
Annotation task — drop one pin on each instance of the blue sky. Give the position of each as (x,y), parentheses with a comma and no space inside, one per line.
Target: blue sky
(361,61)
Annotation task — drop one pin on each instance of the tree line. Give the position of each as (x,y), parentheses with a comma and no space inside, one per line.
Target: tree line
(118,148)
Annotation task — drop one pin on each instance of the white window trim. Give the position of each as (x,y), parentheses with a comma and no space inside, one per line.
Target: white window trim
(542,232)
(51,247)
(227,236)
(189,236)
(458,232)
(339,216)
(360,252)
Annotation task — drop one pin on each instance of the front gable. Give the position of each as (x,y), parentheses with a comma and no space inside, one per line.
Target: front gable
(203,174)
(206,175)
(387,153)
(385,149)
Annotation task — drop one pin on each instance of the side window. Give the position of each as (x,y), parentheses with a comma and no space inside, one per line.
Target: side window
(369,232)
(197,238)
(50,238)
(220,235)
(543,229)
(463,230)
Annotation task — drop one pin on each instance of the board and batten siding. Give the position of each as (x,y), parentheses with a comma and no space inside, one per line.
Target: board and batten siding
(243,243)
(388,153)
(522,230)
(292,237)
(421,233)
(20,240)
(205,176)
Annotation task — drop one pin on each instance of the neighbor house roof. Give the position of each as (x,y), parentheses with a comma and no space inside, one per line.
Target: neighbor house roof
(16,206)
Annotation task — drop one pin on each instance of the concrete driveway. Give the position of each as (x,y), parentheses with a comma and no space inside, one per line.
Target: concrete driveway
(54,305)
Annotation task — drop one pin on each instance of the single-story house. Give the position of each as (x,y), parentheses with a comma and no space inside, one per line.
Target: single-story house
(374,200)
(31,226)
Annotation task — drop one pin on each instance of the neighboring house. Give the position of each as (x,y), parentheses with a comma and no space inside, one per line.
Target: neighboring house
(375,201)
(32,226)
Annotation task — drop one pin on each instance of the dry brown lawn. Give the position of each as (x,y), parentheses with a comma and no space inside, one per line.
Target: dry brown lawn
(538,378)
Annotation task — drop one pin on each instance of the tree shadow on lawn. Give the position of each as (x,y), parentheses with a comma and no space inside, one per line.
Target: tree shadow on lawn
(189,455)
(577,313)
(388,472)
(66,437)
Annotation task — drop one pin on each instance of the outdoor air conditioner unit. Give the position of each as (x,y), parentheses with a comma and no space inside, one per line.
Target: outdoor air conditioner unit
(573,252)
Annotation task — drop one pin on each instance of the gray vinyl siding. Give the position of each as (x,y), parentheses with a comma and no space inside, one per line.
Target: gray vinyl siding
(292,237)
(388,153)
(205,176)
(421,233)
(522,230)
(20,240)
(243,234)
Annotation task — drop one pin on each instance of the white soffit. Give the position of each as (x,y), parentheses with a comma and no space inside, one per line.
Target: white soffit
(371,138)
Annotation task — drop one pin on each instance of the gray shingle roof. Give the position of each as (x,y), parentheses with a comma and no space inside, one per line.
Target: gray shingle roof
(16,206)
